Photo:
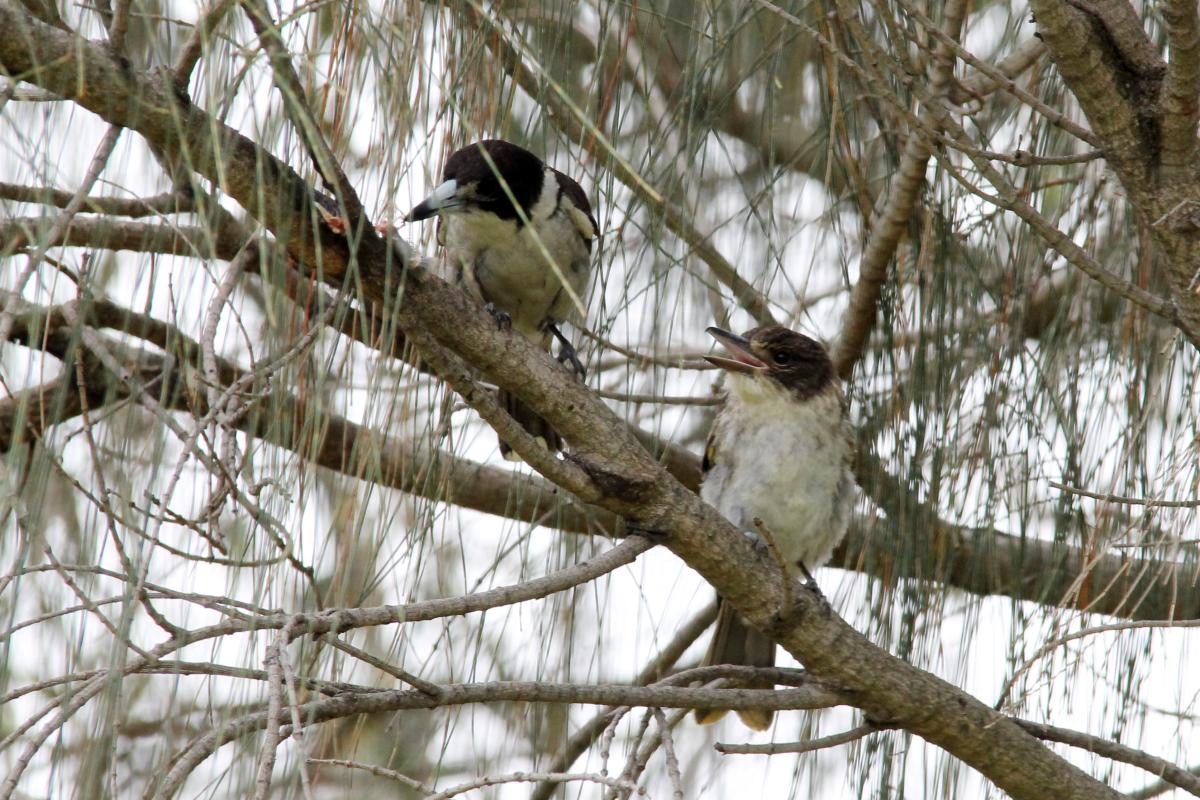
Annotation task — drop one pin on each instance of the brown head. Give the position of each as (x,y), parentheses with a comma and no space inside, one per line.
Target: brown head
(790,360)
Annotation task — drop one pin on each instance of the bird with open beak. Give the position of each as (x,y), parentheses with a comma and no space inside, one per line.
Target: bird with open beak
(518,234)
(781,450)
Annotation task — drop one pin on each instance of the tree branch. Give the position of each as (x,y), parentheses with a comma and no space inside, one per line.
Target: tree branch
(1118,752)
(1181,88)
(891,219)
(984,561)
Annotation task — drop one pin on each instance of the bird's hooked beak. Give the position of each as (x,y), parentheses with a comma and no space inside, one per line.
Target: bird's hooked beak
(443,198)
(743,360)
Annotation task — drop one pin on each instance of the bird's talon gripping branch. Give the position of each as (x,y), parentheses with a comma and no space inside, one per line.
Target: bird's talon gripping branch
(566,352)
(502,317)
(811,584)
(567,355)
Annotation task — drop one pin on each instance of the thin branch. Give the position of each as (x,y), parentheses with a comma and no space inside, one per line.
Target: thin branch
(420,684)
(193,48)
(1126,501)
(324,710)
(1051,646)
(591,730)
(1162,768)
(1159,787)
(156,205)
(379,772)
(891,220)
(807,746)
(530,777)
(982,83)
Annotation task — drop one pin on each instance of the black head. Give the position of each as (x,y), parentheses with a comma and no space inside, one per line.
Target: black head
(475,177)
(792,360)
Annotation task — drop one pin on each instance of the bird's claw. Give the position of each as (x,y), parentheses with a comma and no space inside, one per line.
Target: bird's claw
(810,583)
(568,356)
(503,320)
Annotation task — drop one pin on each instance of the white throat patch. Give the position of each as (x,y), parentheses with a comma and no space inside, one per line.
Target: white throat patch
(547,201)
(754,389)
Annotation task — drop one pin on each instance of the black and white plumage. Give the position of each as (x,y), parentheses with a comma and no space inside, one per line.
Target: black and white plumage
(780,449)
(519,235)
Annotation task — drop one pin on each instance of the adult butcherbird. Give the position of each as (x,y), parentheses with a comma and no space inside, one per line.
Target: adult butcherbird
(780,449)
(518,234)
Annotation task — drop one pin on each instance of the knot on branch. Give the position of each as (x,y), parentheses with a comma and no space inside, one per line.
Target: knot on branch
(628,487)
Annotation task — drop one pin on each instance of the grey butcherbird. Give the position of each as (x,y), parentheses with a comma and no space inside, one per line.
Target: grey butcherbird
(780,449)
(519,236)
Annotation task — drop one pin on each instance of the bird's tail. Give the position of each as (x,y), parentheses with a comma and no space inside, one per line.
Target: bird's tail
(531,421)
(735,642)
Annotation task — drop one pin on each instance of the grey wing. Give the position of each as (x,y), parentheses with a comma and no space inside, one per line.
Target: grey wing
(563,309)
(847,486)
(714,466)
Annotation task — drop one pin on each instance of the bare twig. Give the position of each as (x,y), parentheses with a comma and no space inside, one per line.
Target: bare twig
(777,748)
(591,730)
(380,772)
(673,774)
(530,777)
(892,216)
(1051,646)
(99,161)
(167,203)
(1126,501)
(1118,752)
(193,48)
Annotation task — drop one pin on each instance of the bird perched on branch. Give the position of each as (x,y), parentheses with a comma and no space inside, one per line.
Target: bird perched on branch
(519,235)
(780,451)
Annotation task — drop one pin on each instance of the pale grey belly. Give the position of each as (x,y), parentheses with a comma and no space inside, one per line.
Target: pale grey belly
(802,494)
(527,288)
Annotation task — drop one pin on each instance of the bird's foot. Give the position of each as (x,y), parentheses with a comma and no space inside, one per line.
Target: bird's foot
(568,356)
(810,583)
(503,320)
(566,351)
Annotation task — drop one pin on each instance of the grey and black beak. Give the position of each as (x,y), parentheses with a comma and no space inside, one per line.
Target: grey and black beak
(444,197)
(743,361)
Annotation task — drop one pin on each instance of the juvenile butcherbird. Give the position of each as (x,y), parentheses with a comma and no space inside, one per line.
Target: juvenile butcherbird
(780,449)
(518,234)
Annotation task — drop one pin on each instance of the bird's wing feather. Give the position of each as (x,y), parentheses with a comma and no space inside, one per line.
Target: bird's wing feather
(710,452)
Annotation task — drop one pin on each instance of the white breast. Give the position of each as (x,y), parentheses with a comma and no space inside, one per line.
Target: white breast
(785,462)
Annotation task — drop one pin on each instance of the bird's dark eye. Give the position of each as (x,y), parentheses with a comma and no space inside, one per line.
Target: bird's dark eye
(782,358)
